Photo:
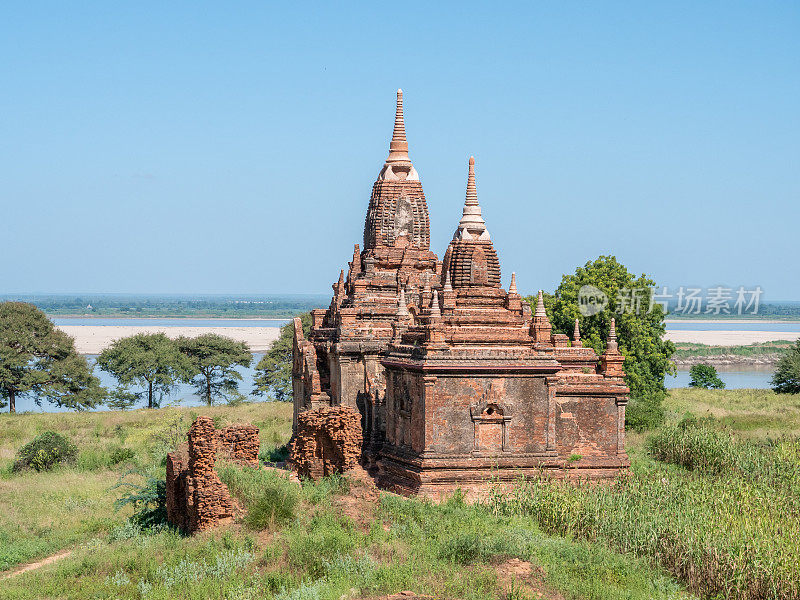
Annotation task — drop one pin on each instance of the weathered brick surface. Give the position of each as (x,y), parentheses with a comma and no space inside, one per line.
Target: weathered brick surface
(196,498)
(454,379)
(326,441)
(240,442)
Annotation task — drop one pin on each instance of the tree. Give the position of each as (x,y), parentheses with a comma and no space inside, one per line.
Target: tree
(640,329)
(786,379)
(40,361)
(214,360)
(274,370)
(148,360)
(705,376)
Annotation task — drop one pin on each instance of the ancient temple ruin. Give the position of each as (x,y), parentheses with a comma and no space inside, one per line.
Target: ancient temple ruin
(456,382)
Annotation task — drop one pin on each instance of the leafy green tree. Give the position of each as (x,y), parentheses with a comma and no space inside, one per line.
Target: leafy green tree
(40,361)
(148,360)
(705,376)
(640,330)
(786,379)
(214,360)
(274,370)
(122,399)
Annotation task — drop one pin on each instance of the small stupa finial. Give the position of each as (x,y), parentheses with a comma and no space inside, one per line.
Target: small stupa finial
(471,225)
(540,312)
(435,311)
(448,287)
(512,289)
(611,343)
(472,191)
(576,335)
(402,307)
(398,147)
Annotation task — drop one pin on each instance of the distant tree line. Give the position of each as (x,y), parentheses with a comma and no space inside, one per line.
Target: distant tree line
(168,306)
(39,361)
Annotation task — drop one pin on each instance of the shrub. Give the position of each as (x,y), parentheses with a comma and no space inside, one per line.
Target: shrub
(276,506)
(149,500)
(275,455)
(705,376)
(120,455)
(45,452)
(786,379)
(645,413)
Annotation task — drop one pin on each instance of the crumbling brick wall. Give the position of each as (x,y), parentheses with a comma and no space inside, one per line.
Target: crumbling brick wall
(196,497)
(240,442)
(328,440)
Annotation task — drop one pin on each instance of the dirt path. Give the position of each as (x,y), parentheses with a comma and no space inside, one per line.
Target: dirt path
(35,565)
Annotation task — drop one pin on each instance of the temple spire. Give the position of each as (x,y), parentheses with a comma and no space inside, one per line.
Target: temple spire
(398,147)
(472,225)
(512,289)
(540,312)
(402,307)
(435,310)
(448,287)
(576,335)
(611,343)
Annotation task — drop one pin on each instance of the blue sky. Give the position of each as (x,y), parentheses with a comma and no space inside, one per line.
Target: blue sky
(231,147)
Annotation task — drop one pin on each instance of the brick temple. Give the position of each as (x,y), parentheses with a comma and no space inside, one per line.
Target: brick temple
(456,382)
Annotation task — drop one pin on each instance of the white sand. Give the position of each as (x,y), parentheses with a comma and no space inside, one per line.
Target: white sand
(730,338)
(91,339)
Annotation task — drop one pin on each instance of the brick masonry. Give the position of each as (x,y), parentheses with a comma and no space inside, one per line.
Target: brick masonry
(196,498)
(326,441)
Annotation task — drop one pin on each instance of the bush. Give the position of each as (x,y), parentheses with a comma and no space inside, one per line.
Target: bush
(786,379)
(149,501)
(645,413)
(705,376)
(120,455)
(45,452)
(275,455)
(276,506)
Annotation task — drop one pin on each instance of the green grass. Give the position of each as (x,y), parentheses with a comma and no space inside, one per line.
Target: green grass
(712,504)
(43,513)
(757,414)
(713,499)
(449,550)
(291,542)
(689,350)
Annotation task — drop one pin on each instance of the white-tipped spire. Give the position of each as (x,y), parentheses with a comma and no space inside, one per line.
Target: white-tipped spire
(576,335)
(540,312)
(398,165)
(611,342)
(472,226)
(435,311)
(398,147)
(402,307)
(448,287)
(512,289)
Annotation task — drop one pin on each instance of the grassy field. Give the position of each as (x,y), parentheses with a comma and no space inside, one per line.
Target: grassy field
(773,350)
(713,483)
